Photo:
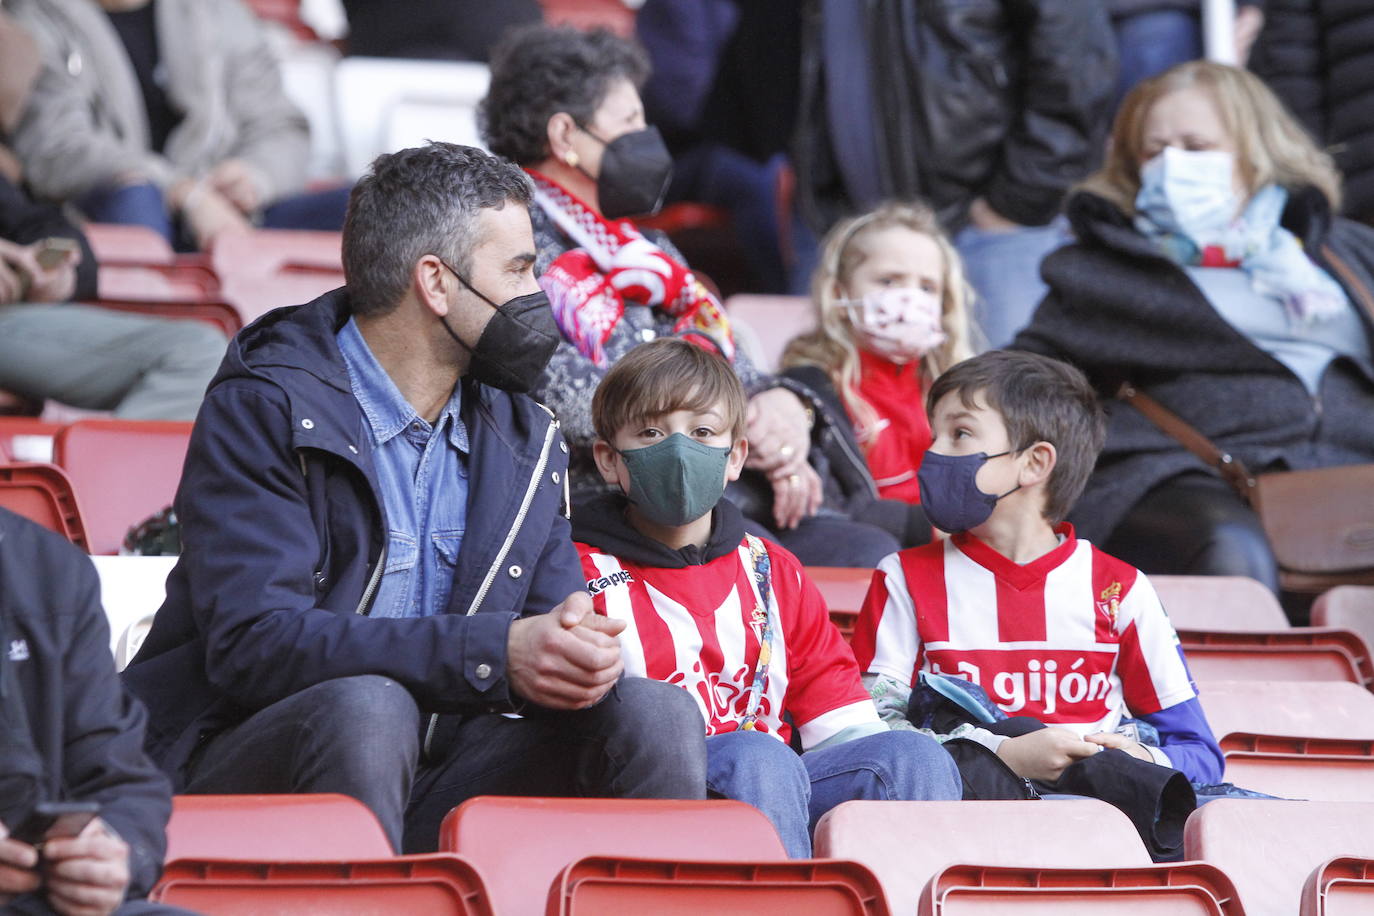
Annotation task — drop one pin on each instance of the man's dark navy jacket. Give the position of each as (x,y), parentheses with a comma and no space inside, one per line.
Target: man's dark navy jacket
(284,537)
(67,732)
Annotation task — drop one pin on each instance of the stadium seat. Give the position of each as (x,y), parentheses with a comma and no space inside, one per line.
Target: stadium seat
(1219,603)
(1268,848)
(131,590)
(1166,890)
(156,283)
(1344,884)
(496,832)
(124,471)
(773,321)
(1316,769)
(270,268)
(1348,606)
(217,312)
(1294,654)
(630,887)
(435,885)
(1313,709)
(274,828)
(44,494)
(126,243)
(907,843)
(614,15)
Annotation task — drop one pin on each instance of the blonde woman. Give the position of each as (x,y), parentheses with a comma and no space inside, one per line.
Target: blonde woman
(1211,272)
(891,315)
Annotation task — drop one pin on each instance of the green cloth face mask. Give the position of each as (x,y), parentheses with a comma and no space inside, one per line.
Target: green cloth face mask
(676,481)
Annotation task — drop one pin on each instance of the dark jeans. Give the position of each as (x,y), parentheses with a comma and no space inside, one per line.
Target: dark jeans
(1195,524)
(143,205)
(360,736)
(1149,43)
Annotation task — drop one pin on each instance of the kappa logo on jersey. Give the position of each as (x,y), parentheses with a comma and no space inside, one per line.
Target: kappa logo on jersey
(599,585)
(19,650)
(1109,602)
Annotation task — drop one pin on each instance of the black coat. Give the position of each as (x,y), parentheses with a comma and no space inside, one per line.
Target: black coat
(1120,310)
(1008,100)
(1318,57)
(68,732)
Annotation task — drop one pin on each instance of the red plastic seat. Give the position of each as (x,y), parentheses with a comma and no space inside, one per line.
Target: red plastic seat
(1314,709)
(125,471)
(774,320)
(498,834)
(1166,890)
(1341,885)
(1268,848)
(43,494)
(274,828)
(270,268)
(1347,606)
(630,887)
(1294,654)
(124,243)
(1317,769)
(1219,603)
(435,885)
(907,843)
(217,312)
(157,282)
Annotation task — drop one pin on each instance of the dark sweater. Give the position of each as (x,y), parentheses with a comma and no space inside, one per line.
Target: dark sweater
(1119,310)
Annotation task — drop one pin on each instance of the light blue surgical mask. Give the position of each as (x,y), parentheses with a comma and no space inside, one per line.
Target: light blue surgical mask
(1189,192)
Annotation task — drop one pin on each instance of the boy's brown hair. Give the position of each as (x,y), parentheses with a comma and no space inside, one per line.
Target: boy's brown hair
(662,376)
(1040,400)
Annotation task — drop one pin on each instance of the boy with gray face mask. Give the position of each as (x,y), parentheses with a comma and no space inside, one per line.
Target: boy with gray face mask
(728,616)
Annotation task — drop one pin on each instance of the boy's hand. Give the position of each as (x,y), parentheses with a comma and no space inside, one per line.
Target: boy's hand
(564,659)
(1044,753)
(1121,743)
(18,867)
(86,875)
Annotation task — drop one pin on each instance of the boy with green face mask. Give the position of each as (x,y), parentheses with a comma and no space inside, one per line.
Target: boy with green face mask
(728,616)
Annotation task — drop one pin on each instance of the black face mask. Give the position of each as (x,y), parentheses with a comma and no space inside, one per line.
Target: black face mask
(635,171)
(516,344)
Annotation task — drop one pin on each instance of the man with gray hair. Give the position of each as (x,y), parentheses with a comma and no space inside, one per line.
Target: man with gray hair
(376,557)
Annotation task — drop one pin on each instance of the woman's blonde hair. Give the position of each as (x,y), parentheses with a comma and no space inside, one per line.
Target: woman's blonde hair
(1271,147)
(831,345)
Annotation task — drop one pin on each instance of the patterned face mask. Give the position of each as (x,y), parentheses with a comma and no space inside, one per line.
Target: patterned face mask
(899,323)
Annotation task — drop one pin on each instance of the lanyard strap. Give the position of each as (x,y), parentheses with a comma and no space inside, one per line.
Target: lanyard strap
(763,580)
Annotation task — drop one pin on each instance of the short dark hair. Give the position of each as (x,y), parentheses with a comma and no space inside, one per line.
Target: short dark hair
(415,202)
(540,70)
(662,376)
(1040,400)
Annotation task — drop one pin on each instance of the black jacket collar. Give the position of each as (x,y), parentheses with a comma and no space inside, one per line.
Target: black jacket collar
(602,523)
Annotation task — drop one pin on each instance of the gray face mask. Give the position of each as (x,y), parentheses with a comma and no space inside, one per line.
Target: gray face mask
(676,481)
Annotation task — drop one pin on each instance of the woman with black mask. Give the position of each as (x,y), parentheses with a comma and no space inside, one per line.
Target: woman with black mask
(565,106)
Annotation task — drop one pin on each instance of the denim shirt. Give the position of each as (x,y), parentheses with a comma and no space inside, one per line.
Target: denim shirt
(423,474)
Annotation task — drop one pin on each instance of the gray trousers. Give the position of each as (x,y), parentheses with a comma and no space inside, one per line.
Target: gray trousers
(139,367)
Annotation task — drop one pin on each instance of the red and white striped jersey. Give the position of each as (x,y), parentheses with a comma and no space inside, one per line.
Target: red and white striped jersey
(699,627)
(1075,638)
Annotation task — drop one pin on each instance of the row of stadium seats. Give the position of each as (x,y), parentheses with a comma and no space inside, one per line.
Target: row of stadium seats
(641,856)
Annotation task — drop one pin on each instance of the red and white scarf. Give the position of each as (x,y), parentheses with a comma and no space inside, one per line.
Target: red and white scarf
(588,286)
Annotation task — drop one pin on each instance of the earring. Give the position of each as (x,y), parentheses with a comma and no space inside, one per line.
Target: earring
(571,159)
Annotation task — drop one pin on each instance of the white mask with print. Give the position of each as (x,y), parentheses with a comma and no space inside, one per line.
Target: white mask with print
(899,323)
(1189,192)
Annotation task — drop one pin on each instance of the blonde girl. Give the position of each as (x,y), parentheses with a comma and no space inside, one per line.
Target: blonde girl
(891,308)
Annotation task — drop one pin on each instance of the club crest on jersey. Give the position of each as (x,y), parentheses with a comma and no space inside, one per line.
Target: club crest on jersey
(600,584)
(1109,602)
